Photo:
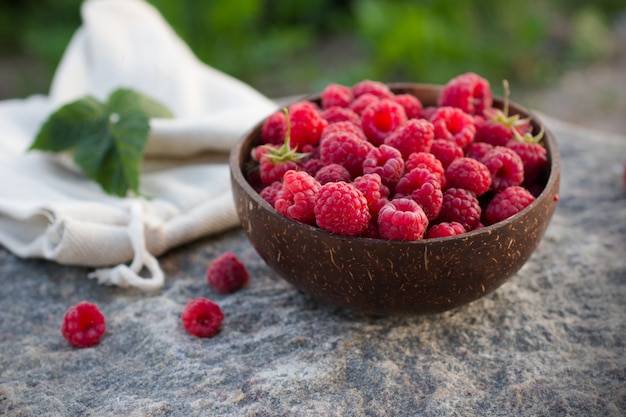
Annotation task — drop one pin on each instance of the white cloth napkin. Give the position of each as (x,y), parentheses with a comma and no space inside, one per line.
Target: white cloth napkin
(52,212)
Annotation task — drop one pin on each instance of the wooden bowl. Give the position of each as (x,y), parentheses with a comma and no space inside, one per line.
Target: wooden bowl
(394,277)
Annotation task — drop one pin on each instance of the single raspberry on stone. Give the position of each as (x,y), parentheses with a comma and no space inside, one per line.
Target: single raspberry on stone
(347,149)
(333,173)
(427,161)
(342,209)
(402,219)
(380,119)
(506,203)
(477,150)
(446,151)
(359,104)
(340,114)
(344,126)
(296,198)
(227,273)
(462,206)
(387,162)
(505,166)
(470,174)
(202,317)
(469,92)
(376,88)
(416,135)
(269,192)
(454,124)
(274,128)
(336,95)
(83,325)
(412,105)
(306,125)
(534,156)
(423,187)
(445,229)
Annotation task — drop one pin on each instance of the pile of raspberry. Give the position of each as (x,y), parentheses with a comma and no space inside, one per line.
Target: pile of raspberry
(365,161)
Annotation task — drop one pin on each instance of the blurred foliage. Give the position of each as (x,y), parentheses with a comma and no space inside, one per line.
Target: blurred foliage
(284,47)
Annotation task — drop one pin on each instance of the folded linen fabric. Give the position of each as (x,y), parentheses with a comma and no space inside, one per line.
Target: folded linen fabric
(52,212)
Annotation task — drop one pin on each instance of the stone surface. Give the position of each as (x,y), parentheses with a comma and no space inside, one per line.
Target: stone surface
(551,341)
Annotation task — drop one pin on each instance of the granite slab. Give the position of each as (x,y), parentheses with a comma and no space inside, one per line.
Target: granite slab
(549,342)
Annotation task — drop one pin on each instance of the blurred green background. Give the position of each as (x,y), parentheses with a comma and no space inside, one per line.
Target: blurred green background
(283,47)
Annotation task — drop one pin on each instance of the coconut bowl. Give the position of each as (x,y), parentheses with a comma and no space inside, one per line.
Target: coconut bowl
(385,277)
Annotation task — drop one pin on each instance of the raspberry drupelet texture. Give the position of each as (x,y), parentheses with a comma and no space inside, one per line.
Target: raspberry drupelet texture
(274,128)
(336,95)
(296,198)
(269,192)
(423,187)
(454,124)
(341,127)
(446,151)
(428,161)
(370,186)
(495,129)
(506,203)
(83,325)
(387,162)
(445,229)
(416,135)
(470,92)
(477,150)
(332,173)
(359,104)
(340,114)
(380,90)
(202,317)
(342,209)
(412,105)
(347,149)
(227,273)
(462,206)
(470,174)
(505,166)
(380,119)
(306,125)
(402,219)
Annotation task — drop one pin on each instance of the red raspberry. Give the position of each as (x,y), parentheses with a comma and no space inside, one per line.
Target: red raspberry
(340,114)
(506,203)
(370,185)
(344,126)
(269,192)
(506,168)
(312,166)
(306,125)
(534,158)
(454,124)
(462,206)
(423,187)
(83,325)
(470,174)
(342,209)
(372,230)
(347,149)
(385,161)
(381,118)
(274,128)
(428,111)
(445,229)
(497,129)
(446,151)
(428,161)
(477,150)
(227,273)
(202,317)
(297,196)
(416,135)
(360,103)
(272,171)
(402,219)
(333,173)
(469,92)
(414,179)
(412,105)
(336,95)
(376,88)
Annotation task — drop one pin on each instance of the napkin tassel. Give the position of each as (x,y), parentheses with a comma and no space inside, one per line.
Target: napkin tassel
(128,276)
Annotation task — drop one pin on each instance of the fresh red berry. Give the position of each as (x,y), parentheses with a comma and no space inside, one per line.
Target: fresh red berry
(505,166)
(227,273)
(273,170)
(202,317)
(402,219)
(469,92)
(312,166)
(462,206)
(347,149)
(470,174)
(412,105)
(341,127)
(424,188)
(446,151)
(380,119)
(385,161)
(416,135)
(359,104)
(340,114)
(445,229)
(336,95)
(83,325)
(477,150)
(296,198)
(333,173)
(306,125)
(534,158)
(427,161)
(454,124)
(376,88)
(274,128)
(371,187)
(506,203)
(342,209)
(269,192)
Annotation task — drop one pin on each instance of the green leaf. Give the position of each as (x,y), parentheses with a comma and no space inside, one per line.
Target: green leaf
(107,139)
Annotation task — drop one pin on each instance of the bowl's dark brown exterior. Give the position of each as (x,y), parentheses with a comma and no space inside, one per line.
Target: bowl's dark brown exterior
(390,277)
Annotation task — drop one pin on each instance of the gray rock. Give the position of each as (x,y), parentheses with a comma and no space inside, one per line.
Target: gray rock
(549,342)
